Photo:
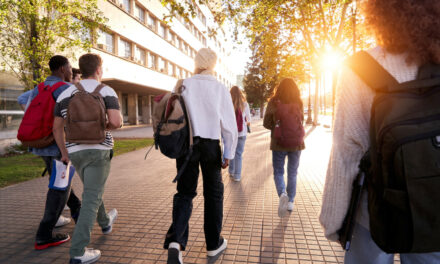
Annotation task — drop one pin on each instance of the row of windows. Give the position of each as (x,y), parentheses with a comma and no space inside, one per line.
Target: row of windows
(151,21)
(135,9)
(112,43)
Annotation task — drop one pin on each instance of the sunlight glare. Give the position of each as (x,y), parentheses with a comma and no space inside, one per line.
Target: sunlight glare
(331,60)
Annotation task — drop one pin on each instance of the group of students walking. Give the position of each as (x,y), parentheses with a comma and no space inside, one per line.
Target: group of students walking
(91,160)
(408,34)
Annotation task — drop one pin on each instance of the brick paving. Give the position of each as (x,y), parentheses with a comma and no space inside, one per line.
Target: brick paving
(142,192)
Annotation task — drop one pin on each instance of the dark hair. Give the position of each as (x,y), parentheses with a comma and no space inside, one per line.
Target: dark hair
(56,62)
(75,72)
(287,92)
(89,63)
(410,26)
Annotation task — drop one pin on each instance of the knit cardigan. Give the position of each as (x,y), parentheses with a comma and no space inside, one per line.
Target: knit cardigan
(351,139)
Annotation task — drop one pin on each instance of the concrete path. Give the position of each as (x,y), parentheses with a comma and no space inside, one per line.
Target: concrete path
(142,192)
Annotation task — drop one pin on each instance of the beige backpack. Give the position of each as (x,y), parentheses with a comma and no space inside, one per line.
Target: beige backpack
(86,117)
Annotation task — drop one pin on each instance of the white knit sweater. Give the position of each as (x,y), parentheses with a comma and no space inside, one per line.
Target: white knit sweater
(350,138)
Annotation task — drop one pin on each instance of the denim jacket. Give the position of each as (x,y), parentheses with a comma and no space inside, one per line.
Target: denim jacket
(26,98)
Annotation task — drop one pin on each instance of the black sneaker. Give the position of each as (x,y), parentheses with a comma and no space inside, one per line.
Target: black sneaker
(174,254)
(56,240)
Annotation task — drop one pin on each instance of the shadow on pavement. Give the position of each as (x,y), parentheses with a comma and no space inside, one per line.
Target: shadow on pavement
(275,244)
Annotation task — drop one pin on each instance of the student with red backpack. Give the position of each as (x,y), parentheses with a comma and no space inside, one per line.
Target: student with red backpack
(39,104)
(243,117)
(284,117)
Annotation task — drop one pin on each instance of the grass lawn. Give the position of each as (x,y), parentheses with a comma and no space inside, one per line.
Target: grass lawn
(18,168)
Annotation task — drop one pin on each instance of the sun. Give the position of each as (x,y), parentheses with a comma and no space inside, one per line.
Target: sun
(331,60)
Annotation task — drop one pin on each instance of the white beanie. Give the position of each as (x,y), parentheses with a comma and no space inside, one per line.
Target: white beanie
(205,59)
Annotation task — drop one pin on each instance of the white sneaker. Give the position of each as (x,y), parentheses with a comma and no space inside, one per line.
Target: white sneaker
(62,221)
(90,256)
(112,214)
(290,206)
(282,207)
(215,252)
(174,254)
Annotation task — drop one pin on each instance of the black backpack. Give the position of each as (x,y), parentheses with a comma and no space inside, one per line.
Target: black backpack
(172,127)
(404,178)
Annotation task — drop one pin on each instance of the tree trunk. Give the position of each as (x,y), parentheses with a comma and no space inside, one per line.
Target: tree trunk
(262,109)
(316,104)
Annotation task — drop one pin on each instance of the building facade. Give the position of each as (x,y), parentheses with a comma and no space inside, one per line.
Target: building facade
(143,57)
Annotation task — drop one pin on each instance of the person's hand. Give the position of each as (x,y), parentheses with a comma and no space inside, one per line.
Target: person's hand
(225,164)
(65,159)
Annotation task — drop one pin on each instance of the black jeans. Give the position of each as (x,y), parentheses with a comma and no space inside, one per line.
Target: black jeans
(207,153)
(55,202)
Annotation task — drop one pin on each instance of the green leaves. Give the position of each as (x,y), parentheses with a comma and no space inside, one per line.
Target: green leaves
(32,31)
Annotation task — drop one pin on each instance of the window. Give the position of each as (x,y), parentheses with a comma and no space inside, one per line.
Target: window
(162,65)
(126,5)
(172,68)
(124,49)
(178,72)
(151,22)
(139,13)
(180,43)
(105,41)
(171,37)
(152,60)
(162,31)
(140,55)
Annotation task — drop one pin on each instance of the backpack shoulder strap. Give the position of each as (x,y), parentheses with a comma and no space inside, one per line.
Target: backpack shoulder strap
(179,87)
(80,87)
(371,72)
(41,86)
(99,87)
(57,85)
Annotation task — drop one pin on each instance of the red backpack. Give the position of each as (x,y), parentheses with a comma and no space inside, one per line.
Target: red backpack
(36,127)
(289,131)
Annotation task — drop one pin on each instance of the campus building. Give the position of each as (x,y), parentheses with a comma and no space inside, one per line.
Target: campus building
(143,57)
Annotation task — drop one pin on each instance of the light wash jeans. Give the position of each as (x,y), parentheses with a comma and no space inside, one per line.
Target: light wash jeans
(278,160)
(235,164)
(363,250)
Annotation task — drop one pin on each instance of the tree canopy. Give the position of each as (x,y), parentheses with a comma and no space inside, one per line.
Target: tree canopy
(288,38)
(32,31)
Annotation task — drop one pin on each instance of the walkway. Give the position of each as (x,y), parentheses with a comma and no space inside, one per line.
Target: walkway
(142,192)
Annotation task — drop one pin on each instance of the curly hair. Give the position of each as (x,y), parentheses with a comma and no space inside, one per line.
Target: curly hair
(406,26)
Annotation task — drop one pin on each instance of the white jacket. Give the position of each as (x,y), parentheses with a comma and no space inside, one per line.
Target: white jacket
(211,111)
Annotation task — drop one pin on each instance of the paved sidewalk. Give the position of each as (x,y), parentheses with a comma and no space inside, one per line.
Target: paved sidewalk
(142,192)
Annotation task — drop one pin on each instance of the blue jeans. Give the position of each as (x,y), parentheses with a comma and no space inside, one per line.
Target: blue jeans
(278,159)
(363,250)
(235,164)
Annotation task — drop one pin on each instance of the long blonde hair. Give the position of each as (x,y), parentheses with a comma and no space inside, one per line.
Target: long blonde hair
(238,98)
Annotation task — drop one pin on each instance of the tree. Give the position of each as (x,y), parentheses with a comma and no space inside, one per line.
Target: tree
(32,31)
(305,30)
